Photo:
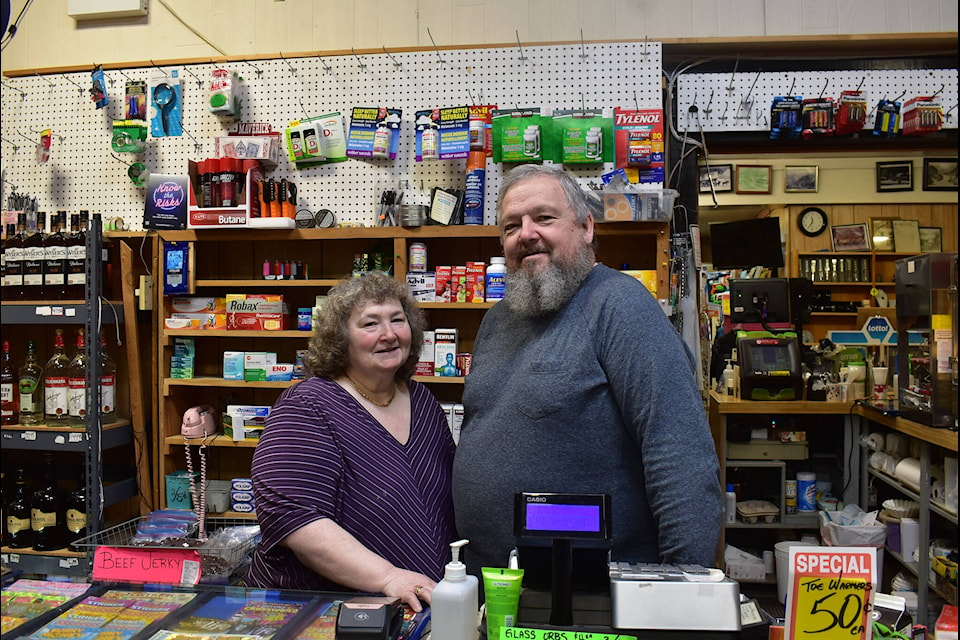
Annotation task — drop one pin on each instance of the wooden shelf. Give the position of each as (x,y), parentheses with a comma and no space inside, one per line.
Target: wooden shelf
(440,379)
(220,383)
(280,284)
(730,405)
(940,437)
(215,441)
(223,333)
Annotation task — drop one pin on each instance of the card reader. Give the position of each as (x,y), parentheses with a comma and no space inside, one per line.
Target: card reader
(369,618)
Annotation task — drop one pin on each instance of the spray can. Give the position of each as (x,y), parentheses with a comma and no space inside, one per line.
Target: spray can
(730,504)
(790,496)
(455,601)
(475,183)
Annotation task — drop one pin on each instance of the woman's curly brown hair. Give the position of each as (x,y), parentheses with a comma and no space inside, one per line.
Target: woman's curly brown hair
(327,351)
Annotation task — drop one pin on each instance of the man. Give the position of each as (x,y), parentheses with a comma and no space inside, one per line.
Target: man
(579,384)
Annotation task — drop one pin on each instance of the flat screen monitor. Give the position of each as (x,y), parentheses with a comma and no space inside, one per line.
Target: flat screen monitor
(759,300)
(746,243)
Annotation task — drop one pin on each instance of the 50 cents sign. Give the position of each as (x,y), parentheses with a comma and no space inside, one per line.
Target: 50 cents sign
(831,593)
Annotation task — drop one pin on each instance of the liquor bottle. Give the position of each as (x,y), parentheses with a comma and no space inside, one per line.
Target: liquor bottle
(77,258)
(17,514)
(33,260)
(76,512)
(77,384)
(31,388)
(47,512)
(108,384)
(10,405)
(55,259)
(13,257)
(4,499)
(55,386)
(9,230)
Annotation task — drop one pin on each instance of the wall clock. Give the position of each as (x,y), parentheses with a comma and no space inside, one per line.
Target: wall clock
(812,221)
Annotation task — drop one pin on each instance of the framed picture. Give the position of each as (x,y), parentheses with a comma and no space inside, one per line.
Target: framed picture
(895,176)
(801,179)
(939,174)
(881,233)
(719,175)
(906,236)
(931,240)
(754,178)
(850,237)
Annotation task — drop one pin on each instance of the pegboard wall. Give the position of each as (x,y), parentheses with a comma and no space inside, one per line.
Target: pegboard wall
(741,101)
(84,173)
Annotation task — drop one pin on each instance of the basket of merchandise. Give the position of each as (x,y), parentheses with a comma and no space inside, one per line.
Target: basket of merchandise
(224,546)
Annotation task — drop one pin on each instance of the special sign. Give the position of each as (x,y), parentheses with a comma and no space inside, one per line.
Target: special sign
(831,593)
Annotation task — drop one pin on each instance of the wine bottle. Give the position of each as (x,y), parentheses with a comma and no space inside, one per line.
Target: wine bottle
(33,261)
(31,388)
(46,511)
(76,513)
(9,398)
(13,257)
(55,386)
(77,257)
(4,499)
(17,513)
(108,384)
(55,259)
(77,384)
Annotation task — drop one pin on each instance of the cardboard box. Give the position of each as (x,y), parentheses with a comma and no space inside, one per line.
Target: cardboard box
(178,324)
(425,363)
(442,277)
(205,320)
(233,365)
(255,365)
(256,312)
(423,286)
(768,450)
(445,352)
(241,484)
(475,285)
(280,372)
(198,304)
(456,422)
(458,284)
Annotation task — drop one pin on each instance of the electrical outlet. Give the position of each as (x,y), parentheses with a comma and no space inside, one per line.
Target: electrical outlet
(145,293)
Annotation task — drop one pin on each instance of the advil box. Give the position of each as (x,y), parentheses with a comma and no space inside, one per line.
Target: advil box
(255,312)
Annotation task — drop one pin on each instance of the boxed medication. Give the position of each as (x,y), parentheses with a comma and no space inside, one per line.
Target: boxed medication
(198,304)
(256,312)
(442,277)
(423,286)
(281,372)
(475,286)
(255,365)
(445,352)
(425,363)
(233,365)
(205,320)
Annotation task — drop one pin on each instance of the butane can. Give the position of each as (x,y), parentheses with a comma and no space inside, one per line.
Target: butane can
(418,257)
(790,496)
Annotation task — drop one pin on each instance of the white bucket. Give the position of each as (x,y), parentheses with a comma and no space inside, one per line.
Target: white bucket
(781,552)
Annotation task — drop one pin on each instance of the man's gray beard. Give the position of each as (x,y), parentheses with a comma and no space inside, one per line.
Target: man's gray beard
(547,291)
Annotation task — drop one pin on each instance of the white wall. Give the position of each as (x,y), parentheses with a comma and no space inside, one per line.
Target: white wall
(49,38)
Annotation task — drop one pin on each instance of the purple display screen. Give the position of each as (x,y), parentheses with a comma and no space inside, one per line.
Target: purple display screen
(584,518)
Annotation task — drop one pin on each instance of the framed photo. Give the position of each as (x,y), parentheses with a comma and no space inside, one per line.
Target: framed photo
(895,176)
(719,175)
(939,174)
(754,178)
(931,240)
(850,237)
(906,236)
(881,233)
(801,179)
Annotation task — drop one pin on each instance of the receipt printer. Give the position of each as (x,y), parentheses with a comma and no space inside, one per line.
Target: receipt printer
(369,618)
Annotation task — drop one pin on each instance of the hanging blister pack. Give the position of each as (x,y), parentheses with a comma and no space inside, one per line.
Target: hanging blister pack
(887,122)
(785,117)
(176,268)
(98,89)
(922,115)
(817,117)
(851,112)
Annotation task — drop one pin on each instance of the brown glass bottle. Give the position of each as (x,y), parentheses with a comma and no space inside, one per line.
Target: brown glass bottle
(76,512)
(55,383)
(33,261)
(17,514)
(13,259)
(47,512)
(10,232)
(55,259)
(77,257)
(9,391)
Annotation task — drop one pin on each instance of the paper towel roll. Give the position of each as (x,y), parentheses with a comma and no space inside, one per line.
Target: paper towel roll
(950,474)
(909,538)
(875,441)
(908,472)
(937,491)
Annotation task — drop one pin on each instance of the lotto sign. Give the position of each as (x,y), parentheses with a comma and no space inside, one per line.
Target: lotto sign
(831,592)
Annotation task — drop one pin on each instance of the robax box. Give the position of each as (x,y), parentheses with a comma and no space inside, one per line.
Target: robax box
(261,312)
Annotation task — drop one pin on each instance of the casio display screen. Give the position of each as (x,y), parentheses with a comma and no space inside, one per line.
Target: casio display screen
(561,515)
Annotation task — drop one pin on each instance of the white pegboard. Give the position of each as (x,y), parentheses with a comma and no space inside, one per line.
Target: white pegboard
(741,101)
(84,174)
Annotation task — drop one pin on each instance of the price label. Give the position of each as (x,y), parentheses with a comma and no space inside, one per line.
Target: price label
(517,633)
(830,593)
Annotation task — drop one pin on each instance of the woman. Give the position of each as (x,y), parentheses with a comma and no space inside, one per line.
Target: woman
(352,474)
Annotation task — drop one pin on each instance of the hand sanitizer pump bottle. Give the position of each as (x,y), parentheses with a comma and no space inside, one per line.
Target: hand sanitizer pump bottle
(455,601)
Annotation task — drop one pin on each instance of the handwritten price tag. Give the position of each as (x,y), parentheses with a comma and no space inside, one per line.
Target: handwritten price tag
(831,593)
(161,566)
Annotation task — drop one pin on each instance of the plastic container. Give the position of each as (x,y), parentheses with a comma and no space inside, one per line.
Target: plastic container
(418,258)
(496,279)
(730,505)
(781,553)
(806,491)
(455,601)
(474,188)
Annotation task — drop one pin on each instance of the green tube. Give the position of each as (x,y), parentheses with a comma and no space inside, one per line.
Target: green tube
(501,590)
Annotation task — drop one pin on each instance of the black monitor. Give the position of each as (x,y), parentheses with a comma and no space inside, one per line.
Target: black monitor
(762,300)
(746,243)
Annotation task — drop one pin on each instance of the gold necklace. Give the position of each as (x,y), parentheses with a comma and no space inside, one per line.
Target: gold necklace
(379,403)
